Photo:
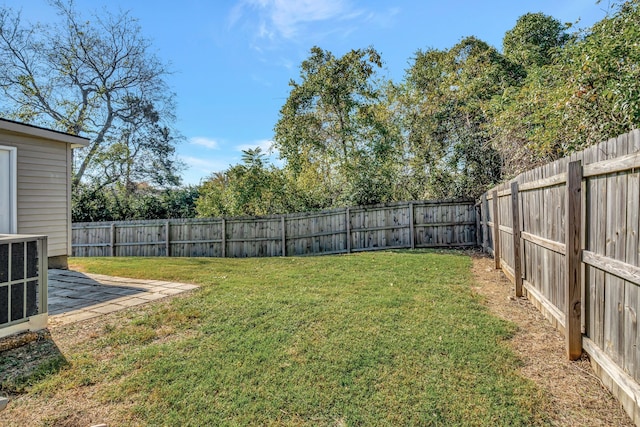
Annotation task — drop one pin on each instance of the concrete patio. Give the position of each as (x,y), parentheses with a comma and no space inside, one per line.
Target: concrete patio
(75,296)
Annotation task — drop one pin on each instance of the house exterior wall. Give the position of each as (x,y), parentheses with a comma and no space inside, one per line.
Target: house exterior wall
(43,190)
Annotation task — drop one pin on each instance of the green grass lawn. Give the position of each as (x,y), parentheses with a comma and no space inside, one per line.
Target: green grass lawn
(384,338)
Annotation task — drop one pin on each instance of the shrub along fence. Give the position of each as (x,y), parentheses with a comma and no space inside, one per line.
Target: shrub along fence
(417,224)
(566,235)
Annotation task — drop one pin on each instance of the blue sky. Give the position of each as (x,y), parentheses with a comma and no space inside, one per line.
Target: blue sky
(232,60)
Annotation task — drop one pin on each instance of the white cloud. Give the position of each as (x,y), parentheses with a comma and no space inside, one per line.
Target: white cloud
(287,18)
(265,144)
(287,15)
(209,143)
(205,165)
(200,168)
(384,19)
(273,155)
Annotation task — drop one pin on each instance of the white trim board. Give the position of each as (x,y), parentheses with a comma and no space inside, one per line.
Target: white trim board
(9,206)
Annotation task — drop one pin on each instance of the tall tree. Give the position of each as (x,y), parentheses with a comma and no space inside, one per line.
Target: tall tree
(95,77)
(534,40)
(321,113)
(603,68)
(530,124)
(589,92)
(529,117)
(331,126)
(141,150)
(446,98)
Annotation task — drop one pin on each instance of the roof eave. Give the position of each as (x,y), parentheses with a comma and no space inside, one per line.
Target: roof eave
(31,130)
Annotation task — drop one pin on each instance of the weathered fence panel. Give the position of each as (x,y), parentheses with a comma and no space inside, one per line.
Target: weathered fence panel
(361,228)
(442,225)
(379,227)
(316,233)
(94,241)
(576,246)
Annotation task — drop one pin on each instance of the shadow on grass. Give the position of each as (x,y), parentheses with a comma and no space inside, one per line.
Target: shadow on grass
(34,357)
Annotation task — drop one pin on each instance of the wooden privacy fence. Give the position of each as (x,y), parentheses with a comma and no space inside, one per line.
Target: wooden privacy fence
(566,235)
(419,224)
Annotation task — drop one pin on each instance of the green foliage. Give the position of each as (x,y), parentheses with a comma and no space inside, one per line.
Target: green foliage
(95,203)
(322,114)
(586,92)
(90,203)
(251,188)
(604,77)
(445,99)
(462,120)
(531,124)
(534,40)
(335,128)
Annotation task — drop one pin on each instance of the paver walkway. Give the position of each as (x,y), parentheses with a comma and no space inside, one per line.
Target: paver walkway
(75,296)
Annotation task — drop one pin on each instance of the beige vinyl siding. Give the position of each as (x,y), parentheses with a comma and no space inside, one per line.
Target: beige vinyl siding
(43,189)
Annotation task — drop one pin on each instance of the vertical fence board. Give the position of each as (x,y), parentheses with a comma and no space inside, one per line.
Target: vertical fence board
(496,229)
(223,233)
(517,262)
(112,239)
(622,183)
(573,261)
(591,197)
(484,219)
(284,237)
(167,237)
(614,286)
(631,290)
(412,236)
(598,225)
(632,298)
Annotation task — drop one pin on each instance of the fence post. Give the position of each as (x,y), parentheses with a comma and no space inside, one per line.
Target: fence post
(348,226)
(412,227)
(112,239)
(284,238)
(478,224)
(496,230)
(167,242)
(517,261)
(573,258)
(485,226)
(224,238)
(189,246)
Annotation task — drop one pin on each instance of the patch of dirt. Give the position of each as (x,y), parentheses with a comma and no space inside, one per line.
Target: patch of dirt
(576,395)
